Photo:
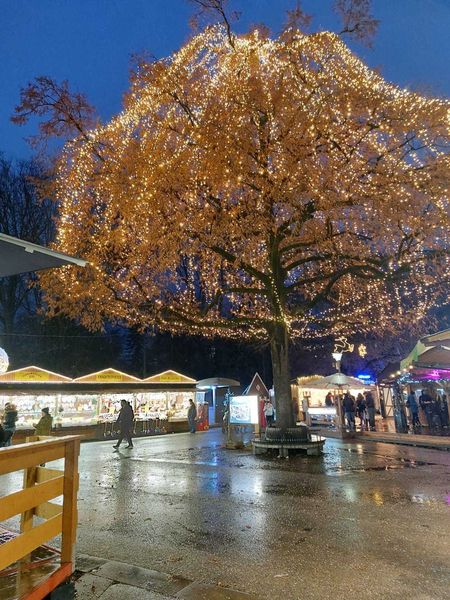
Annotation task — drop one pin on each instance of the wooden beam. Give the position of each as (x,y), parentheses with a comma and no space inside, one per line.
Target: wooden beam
(42,590)
(29,479)
(25,543)
(48,510)
(69,516)
(45,474)
(30,497)
(22,456)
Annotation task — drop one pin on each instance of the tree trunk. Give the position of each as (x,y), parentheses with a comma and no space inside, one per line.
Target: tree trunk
(279,346)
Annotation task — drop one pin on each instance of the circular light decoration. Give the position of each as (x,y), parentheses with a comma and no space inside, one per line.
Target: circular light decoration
(4,361)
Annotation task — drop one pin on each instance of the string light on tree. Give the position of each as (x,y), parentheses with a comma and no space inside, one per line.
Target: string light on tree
(268,189)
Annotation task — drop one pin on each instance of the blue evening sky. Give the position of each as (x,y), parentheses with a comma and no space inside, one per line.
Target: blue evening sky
(89,42)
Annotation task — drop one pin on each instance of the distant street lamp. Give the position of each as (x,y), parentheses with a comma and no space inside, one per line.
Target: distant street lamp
(337,357)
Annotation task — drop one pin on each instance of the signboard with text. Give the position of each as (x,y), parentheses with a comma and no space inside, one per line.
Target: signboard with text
(31,376)
(244,410)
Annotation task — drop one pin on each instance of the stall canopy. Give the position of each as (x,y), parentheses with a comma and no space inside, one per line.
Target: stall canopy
(430,351)
(337,380)
(217,382)
(18,256)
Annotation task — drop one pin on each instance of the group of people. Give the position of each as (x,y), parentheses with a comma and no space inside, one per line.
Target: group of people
(8,424)
(363,407)
(435,409)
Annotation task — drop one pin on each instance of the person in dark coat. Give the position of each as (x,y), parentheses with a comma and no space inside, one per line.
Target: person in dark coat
(426,402)
(192,415)
(370,405)
(349,410)
(361,409)
(9,422)
(125,421)
(413,406)
(444,410)
(2,436)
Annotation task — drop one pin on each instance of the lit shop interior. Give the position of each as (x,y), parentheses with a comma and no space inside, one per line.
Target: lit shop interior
(310,397)
(92,402)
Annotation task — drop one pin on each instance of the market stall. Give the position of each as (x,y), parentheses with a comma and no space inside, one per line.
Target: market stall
(318,398)
(425,371)
(89,404)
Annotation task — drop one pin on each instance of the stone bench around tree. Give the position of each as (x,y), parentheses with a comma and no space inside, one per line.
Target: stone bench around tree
(313,447)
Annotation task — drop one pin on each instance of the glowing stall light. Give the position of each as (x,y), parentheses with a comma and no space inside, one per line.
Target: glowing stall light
(365,377)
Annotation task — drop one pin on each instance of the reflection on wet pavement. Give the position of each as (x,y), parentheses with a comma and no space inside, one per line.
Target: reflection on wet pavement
(271,526)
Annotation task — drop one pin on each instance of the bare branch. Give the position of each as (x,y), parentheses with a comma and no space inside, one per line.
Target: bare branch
(357,20)
(218,8)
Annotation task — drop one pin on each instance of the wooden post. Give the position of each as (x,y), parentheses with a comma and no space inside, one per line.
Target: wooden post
(69,516)
(29,479)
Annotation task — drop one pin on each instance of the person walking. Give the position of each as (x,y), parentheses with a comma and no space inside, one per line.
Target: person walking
(413,406)
(45,423)
(9,422)
(370,405)
(125,421)
(349,410)
(268,412)
(192,415)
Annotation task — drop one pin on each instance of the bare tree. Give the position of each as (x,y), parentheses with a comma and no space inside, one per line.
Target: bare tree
(22,215)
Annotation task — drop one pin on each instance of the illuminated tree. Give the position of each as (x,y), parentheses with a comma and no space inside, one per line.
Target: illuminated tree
(257,188)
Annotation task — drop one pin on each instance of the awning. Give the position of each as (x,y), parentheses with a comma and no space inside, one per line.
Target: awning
(337,380)
(431,351)
(436,356)
(18,256)
(441,337)
(216,382)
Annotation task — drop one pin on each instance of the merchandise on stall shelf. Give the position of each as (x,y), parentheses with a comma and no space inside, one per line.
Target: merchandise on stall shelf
(95,398)
(80,409)
(29,408)
(109,405)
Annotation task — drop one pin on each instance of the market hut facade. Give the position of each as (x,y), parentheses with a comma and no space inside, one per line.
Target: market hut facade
(88,405)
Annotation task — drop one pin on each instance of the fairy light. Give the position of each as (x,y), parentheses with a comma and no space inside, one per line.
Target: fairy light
(237,185)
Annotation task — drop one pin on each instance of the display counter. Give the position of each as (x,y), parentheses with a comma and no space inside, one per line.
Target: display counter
(322,415)
(90,405)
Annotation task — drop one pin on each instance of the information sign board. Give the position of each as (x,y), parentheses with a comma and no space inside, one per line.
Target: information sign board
(244,410)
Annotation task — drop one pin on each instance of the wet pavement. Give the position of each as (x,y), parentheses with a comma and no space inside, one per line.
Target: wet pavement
(365,520)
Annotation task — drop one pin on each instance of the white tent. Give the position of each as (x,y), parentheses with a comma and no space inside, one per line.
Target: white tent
(337,381)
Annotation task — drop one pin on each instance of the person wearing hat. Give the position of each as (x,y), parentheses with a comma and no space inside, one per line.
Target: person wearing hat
(44,426)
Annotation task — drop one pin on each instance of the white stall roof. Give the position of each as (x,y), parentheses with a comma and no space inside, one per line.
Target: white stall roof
(18,256)
(337,380)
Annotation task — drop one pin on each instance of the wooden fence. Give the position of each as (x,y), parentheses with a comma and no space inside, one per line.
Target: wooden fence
(40,486)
